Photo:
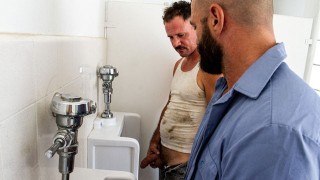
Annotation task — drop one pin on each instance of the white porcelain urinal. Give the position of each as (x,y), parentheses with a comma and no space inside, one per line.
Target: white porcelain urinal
(113,144)
(96,174)
(52,173)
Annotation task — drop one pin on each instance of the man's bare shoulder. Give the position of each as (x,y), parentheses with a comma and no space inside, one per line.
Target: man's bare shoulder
(176,65)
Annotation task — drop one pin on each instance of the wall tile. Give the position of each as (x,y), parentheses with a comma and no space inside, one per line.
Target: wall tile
(17,85)
(80,52)
(47,65)
(69,70)
(18,136)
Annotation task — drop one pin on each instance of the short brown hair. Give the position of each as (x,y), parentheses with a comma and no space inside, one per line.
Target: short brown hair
(180,8)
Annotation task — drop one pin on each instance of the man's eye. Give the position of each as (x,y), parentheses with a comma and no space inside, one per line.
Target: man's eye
(180,35)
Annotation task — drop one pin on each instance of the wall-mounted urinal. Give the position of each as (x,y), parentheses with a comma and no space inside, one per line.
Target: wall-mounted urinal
(85,174)
(113,144)
(97,174)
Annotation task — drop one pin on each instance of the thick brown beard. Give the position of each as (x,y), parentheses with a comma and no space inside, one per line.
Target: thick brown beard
(211,53)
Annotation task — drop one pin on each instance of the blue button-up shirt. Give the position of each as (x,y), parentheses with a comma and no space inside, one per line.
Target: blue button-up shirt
(267,126)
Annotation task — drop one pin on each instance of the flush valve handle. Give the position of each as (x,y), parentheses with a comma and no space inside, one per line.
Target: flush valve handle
(53,149)
(60,141)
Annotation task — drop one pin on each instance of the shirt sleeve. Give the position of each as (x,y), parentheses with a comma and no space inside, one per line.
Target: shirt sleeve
(272,153)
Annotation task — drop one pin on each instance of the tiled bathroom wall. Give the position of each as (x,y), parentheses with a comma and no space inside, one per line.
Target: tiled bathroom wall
(32,69)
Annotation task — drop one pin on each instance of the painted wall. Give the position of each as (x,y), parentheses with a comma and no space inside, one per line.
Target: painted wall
(309,9)
(43,44)
(53,17)
(314,80)
(297,8)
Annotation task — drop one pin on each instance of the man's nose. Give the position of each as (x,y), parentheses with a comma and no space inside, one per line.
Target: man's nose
(176,42)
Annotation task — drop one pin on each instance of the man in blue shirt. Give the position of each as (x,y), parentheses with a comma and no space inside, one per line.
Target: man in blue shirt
(263,121)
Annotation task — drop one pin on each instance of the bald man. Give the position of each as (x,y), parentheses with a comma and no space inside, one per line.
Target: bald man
(263,121)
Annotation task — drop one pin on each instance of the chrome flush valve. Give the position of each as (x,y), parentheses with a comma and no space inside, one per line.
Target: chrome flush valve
(107,73)
(69,111)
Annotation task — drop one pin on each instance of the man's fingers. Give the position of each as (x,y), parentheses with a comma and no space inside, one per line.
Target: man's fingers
(154,149)
(148,160)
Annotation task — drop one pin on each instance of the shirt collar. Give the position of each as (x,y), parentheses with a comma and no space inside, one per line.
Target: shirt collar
(252,82)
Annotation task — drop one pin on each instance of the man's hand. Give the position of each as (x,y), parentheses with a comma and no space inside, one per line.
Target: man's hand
(154,148)
(154,160)
(153,157)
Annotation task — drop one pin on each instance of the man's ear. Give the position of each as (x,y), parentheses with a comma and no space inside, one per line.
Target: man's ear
(216,18)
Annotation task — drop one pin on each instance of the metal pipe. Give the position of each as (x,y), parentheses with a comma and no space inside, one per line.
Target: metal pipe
(107,74)
(65,176)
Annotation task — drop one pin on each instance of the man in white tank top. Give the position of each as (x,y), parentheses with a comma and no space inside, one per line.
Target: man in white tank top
(191,91)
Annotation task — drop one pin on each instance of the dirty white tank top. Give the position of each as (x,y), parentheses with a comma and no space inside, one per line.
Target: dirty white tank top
(184,112)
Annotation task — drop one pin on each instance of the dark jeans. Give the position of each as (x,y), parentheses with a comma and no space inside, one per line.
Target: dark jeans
(175,172)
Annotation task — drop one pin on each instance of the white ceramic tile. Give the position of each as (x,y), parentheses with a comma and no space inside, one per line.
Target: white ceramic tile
(45,121)
(81,52)
(69,65)
(93,56)
(18,139)
(73,87)
(50,173)
(47,65)
(17,85)
(93,50)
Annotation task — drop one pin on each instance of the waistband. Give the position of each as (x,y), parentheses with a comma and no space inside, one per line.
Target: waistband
(174,167)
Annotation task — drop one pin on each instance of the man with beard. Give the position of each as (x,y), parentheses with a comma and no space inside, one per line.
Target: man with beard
(263,121)
(191,90)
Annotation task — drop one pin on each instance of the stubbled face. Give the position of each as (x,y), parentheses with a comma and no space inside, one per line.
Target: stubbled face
(209,49)
(182,36)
